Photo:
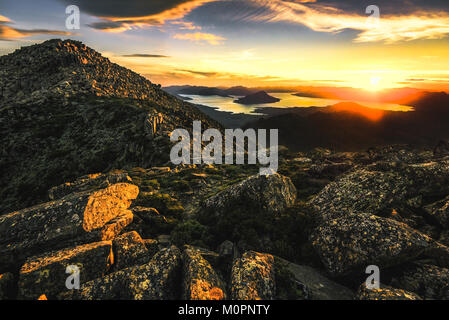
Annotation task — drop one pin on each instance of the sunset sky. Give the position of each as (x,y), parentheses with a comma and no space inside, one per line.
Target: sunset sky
(252,42)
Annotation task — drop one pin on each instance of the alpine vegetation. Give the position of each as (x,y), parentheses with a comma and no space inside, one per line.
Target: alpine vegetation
(212,153)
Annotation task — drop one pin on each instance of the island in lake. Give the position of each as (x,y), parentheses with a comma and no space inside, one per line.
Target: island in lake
(257,98)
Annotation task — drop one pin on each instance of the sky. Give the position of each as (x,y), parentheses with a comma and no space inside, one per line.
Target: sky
(252,42)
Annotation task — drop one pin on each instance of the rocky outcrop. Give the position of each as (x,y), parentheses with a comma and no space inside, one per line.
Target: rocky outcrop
(201,282)
(156,280)
(77,218)
(355,241)
(385,293)
(153,123)
(429,281)
(314,285)
(253,277)
(259,194)
(65,111)
(47,274)
(130,250)
(440,212)
(380,188)
(6,286)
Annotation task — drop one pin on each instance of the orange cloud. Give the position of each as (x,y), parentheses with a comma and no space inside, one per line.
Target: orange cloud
(390,28)
(120,24)
(9,33)
(199,36)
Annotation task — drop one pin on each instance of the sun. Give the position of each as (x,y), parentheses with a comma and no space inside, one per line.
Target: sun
(375,83)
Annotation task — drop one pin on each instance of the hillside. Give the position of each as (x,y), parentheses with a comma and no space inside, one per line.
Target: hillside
(65,110)
(260,97)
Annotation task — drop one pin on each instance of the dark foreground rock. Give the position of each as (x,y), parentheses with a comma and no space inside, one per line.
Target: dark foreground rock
(270,194)
(253,277)
(159,279)
(380,188)
(6,285)
(78,218)
(385,293)
(429,281)
(314,285)
(353,242)
(47,274)
(201,282)
(130,250)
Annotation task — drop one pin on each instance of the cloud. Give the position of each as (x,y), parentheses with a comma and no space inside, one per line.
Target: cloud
(199,36)
(8,33)
(144,55)
(389,28)
(200,73)
(119,16)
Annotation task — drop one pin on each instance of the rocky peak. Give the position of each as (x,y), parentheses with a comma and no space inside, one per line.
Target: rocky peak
(64,68)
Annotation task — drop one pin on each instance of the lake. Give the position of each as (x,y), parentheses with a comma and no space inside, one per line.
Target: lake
(288,100)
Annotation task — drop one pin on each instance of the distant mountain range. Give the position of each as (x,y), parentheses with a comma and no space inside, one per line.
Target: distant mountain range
(351,127)
(237,91)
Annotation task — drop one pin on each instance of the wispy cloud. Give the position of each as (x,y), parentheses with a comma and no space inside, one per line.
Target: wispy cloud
(8,33)
(199,36)
(390,28)
(138,13)
(144,55)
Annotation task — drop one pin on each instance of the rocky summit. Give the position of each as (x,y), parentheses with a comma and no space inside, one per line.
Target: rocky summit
(93,210)
(65,111)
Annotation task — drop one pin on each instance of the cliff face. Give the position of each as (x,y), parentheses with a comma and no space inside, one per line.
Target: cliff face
(66,111)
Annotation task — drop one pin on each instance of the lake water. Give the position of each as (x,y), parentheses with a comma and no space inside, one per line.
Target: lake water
(288,100)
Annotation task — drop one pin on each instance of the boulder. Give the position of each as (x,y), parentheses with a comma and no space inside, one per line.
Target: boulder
(429,281)
(159,279)
(253,277)
(129,250)
(46,274)
(75,219)
(269,194)
(385,293)
(380,188)
(355,241)
(201,282)
(314,285)
(439,211)
(6,285)
(152,246)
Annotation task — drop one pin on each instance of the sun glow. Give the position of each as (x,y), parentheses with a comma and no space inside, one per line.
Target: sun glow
(375,83)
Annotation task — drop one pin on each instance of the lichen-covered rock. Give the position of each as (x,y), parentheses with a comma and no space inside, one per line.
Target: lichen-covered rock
(130,250)
(271,194)
(429,281)
(314,285)
(6,284)
(152,246)
(355,241)
(253,277)
(88,182)
(380,188)
(46,274)
(201,282)
(159,279)
(440,212)
(385,293)
(75,219)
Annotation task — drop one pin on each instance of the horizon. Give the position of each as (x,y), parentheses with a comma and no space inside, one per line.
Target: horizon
(256,43)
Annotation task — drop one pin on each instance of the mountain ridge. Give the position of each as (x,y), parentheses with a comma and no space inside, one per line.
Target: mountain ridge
(67,111)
